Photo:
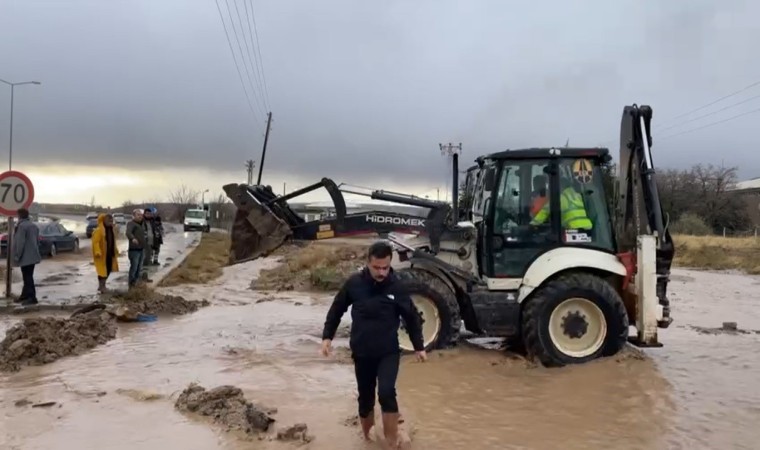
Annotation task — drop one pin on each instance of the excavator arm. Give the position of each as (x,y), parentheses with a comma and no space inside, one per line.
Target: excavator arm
(264,221)
(639,211)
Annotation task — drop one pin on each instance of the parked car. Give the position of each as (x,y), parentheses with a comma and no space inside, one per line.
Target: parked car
(119,219)
(91,215)
(91,225)
(54,238)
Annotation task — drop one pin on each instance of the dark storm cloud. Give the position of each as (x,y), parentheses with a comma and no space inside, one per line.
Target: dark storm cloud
(365,91)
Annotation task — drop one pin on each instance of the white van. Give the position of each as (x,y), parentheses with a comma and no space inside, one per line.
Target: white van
(196,219)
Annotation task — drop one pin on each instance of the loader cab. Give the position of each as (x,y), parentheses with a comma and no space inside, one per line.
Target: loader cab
(539,200)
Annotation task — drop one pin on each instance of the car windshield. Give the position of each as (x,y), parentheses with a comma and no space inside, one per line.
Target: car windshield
(195,214)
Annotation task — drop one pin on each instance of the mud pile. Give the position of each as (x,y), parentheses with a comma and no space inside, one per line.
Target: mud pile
(227,406)
(148,301)
(319,266)
(37,341)
(295,433)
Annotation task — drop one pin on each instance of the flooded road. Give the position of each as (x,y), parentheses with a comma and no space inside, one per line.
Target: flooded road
(69,277)
(699,391)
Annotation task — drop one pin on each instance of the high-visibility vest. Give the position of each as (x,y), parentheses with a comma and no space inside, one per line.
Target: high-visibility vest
(573,212)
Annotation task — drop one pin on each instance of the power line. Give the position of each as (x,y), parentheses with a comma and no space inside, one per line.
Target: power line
(750,86)
(252,73)
(711,113)
(240,47)
(258,50)
(257,62)
(237,66)
(711,124)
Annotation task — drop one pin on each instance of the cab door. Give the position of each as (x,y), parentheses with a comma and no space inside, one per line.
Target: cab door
(522,222)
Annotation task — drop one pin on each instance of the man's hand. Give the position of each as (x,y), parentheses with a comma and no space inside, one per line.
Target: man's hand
(135,241)
(421,356)
(326,347)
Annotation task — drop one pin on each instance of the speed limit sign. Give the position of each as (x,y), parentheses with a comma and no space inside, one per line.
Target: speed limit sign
(16,191)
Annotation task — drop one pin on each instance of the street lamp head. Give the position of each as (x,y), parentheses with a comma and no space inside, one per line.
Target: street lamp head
(36,82)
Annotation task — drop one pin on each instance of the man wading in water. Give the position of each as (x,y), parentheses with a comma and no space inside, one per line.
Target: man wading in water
(377,301)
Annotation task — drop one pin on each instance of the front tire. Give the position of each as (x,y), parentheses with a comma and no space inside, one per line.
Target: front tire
(437,306)
(53,250)
(574,319)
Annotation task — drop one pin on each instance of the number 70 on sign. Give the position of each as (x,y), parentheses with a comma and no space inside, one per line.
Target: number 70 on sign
(16,191)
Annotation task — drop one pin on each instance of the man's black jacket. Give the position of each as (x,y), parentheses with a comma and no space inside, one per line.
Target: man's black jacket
(376,308)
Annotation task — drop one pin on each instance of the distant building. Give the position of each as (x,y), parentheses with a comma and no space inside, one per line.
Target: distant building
(749,191)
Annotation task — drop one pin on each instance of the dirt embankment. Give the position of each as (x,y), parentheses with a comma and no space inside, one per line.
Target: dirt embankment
(37,341)
(316,266)
(227,406)
(718,253)
(147,301)
(204,263)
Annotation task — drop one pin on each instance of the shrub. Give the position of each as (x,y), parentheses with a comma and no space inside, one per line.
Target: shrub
(691,224)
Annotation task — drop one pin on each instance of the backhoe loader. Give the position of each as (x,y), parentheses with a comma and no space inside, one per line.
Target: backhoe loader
(554,269)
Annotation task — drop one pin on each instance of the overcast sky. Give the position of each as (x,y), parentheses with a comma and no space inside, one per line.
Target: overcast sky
(363,92)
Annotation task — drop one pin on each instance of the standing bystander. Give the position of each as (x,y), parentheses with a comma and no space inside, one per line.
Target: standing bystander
(104,251)
(26,255)
(136,235)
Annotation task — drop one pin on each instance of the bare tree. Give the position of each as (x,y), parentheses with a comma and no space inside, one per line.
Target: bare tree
(182,199)
(705,192)
(184,196)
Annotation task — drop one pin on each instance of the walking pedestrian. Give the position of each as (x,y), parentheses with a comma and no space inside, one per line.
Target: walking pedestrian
(377,300)
(104,251)
(26,255)
(136,235)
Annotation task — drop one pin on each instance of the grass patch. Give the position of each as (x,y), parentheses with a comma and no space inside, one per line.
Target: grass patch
(718,253)
(204,263)
(318,266)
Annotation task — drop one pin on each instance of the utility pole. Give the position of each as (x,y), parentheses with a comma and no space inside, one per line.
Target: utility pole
(264,150)
(453,151)
(249,165)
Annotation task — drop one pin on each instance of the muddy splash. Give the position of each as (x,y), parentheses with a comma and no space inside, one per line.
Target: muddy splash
(42,340)
(226,406)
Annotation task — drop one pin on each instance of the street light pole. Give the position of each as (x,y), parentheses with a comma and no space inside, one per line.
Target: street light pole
(10,143)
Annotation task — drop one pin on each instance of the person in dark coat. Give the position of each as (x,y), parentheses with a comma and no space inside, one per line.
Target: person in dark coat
(26,255)
(378,301)
(157,228)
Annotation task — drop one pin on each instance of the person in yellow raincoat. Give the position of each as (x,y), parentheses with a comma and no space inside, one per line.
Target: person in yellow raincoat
(104,251)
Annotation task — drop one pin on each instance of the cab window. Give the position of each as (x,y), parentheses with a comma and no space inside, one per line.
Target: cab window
(518,238)
(585,216)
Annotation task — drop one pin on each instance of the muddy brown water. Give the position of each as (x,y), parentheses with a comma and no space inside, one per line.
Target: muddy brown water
(699,391)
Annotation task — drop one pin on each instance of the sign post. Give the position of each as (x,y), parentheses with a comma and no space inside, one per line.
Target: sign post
(16,191)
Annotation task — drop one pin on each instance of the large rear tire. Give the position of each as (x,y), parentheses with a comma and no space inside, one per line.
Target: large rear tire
(574,319)
(438,308)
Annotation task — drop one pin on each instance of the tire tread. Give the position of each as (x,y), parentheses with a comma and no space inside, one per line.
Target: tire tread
(555,288)
(431,281)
